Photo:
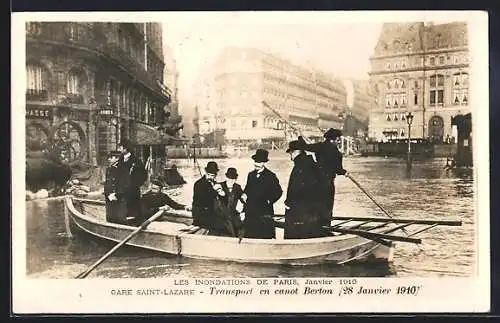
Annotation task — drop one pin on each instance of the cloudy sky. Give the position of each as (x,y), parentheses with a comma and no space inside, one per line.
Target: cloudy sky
(337,42)
(342,48)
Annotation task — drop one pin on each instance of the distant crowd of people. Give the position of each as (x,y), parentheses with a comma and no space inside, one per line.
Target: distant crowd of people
(226,208)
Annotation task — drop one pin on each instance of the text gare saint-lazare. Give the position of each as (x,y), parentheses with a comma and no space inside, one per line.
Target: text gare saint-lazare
(273,286)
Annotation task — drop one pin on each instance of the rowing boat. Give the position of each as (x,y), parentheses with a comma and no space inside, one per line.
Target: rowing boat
(353,239)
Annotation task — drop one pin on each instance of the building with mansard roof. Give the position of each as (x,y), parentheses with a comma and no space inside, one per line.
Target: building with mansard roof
(240,79)
(423,69)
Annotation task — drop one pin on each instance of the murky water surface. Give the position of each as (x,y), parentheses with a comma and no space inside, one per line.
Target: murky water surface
(428,193)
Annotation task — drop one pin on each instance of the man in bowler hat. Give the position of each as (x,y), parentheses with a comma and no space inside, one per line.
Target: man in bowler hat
(329,160)
(302,209)
(204,199)
(262,190)
(137,175)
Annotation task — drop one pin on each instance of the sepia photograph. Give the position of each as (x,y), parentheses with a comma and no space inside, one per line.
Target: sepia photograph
(322,154)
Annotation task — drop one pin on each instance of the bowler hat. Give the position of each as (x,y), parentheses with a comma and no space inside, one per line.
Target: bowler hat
(126,143)
(212,167)
(332,134)
(294,145)
(261,156)
(231,173)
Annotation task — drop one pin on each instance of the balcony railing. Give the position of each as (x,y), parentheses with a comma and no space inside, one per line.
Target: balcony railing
(91,36)
(36,95)
(72,98)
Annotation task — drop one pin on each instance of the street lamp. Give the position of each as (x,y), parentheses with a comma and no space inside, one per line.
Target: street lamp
(409,120)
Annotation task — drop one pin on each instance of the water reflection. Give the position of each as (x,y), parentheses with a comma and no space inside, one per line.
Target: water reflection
(428,193)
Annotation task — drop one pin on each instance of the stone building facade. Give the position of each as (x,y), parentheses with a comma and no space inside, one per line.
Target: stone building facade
(242,78)
(423,69)
(90,84)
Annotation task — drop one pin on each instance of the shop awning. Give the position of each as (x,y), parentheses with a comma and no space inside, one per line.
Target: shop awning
(147,135)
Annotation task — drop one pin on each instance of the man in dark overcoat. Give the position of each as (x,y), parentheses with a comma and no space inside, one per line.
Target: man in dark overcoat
(154,199)
(262,190)
(116,209)
(137,175)
(204,201)
(329,159)
(303,210)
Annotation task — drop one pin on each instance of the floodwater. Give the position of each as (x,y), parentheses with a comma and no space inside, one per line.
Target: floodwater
(428,192)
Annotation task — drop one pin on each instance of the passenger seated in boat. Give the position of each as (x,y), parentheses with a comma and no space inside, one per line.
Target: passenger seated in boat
(154,199)
(116,208)
(303,211)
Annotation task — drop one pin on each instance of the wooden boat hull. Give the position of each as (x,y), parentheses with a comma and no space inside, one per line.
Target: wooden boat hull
(168,237)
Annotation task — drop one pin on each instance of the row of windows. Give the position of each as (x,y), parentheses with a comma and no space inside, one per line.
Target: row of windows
(402,63)
(460,79)
(394,132)
(132,104)
(436,96)
(396,117)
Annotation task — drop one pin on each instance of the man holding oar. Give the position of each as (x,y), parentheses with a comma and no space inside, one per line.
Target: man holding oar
(329,160)
(154,200)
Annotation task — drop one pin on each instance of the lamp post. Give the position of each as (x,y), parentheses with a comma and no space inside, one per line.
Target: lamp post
(409,120)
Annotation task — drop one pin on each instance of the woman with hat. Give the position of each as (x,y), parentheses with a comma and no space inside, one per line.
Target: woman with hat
(329,159)
(262,190)
(232,195)
(302,209)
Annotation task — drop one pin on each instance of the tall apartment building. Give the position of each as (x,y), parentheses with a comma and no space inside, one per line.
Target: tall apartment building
(240,79)
(89,84)
(423,69)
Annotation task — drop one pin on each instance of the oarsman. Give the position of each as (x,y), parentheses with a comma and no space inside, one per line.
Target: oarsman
(262,190)
(204,200)
(116,208)
(329,160)
(302,209)
(137,175)
(155,199)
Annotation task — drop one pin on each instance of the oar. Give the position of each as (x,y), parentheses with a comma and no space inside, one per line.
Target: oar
(124,241)
(373,199)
